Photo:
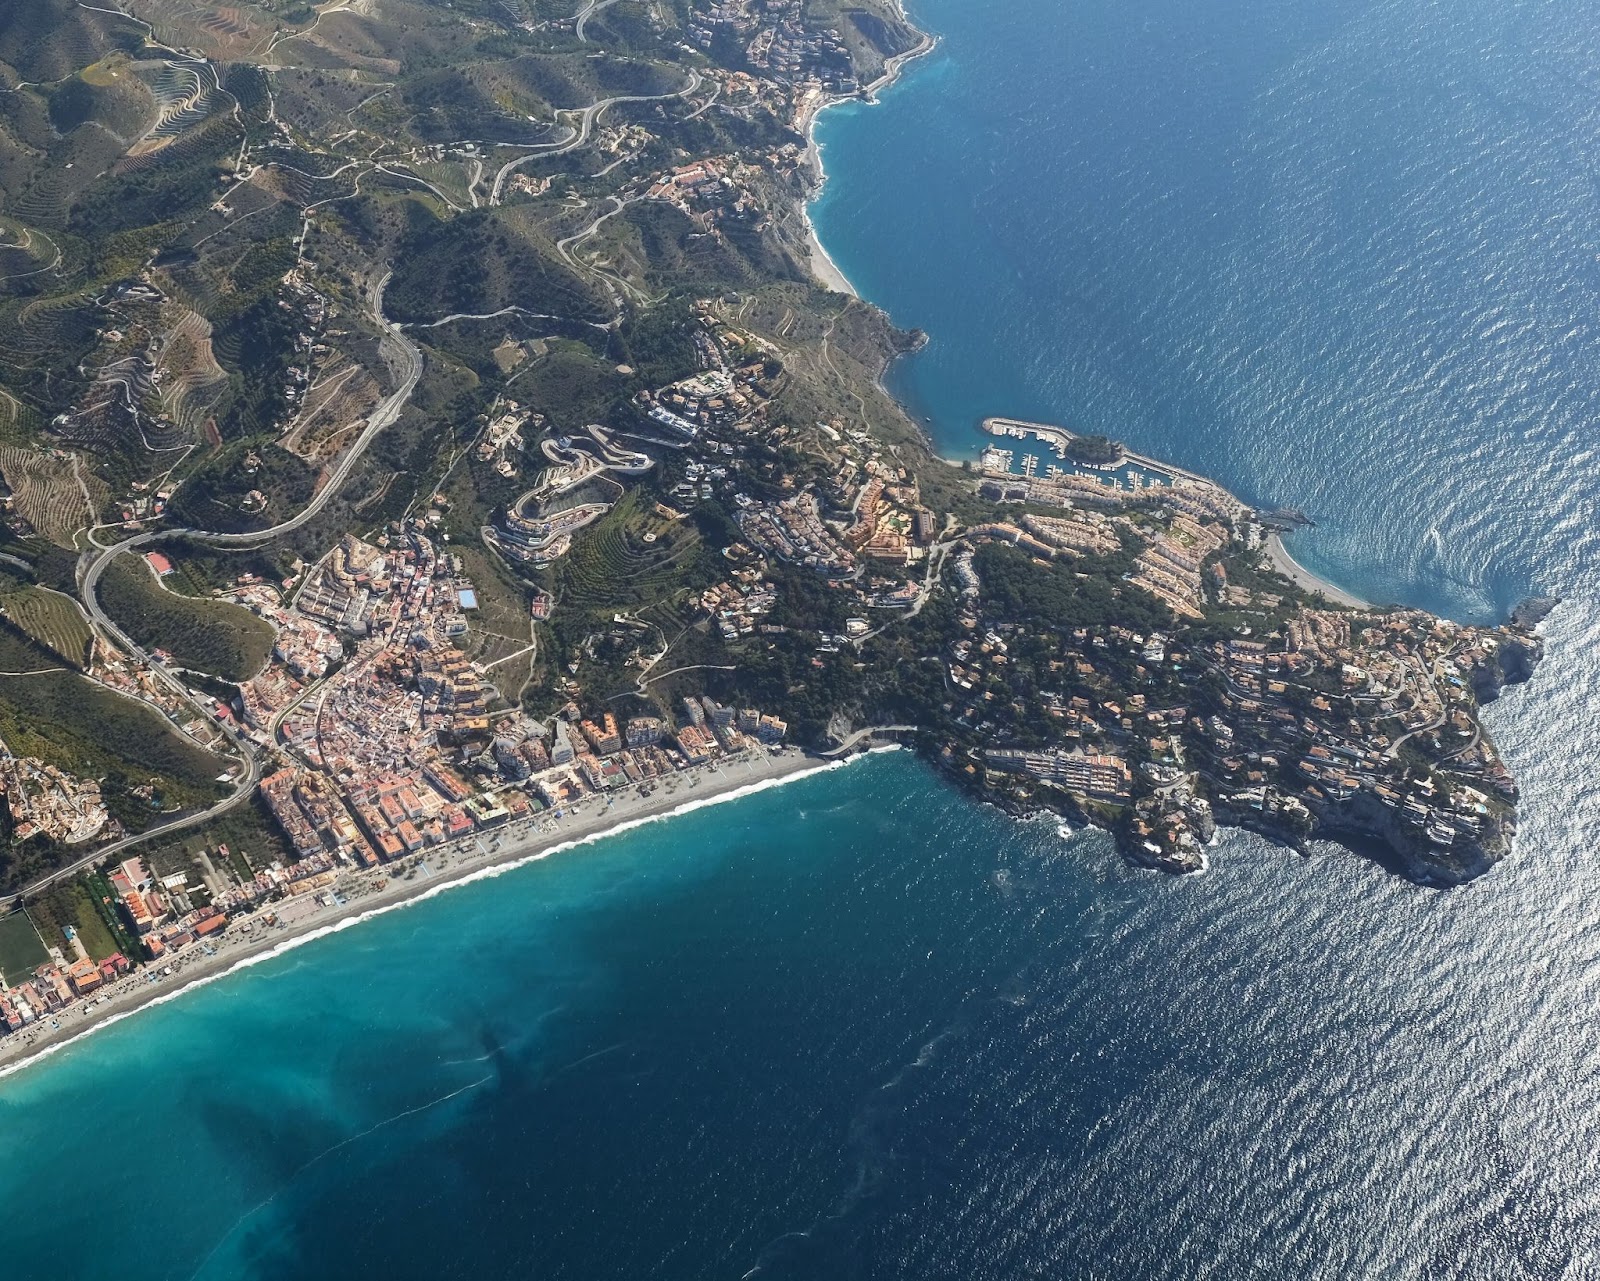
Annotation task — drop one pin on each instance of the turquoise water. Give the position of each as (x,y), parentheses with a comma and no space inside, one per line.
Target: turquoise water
(1342,255)
(641,1057)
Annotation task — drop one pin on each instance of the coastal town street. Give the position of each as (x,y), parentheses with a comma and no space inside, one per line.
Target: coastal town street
(355,894)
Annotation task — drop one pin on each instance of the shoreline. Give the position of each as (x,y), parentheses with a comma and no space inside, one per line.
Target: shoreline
(363,895)
(1277,551)
(149,985)
(1303,578)
(253,941)
(821,262)
(828,273)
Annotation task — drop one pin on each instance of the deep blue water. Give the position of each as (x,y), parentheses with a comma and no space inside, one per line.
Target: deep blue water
(1342,255)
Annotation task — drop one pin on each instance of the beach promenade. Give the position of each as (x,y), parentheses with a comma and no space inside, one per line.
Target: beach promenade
(359,895)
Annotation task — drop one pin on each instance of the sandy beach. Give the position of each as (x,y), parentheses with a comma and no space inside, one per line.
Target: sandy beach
(1292,569)
(822,264)
(282,926)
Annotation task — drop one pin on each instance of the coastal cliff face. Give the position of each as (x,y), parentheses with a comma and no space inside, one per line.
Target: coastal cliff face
(1512,663)
(1469,855)
(642,422)
(1353,725)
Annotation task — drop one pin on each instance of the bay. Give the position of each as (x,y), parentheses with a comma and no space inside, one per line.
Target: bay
(1339,255)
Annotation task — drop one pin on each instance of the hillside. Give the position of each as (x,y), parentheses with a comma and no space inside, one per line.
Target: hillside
(209,636)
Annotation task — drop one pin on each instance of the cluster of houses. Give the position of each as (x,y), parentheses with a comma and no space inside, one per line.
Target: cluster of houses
(43,800)
(793,530)
(775,40)
(55,986)
(711,191)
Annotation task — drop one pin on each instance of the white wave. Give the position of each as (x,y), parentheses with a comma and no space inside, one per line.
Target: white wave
(433,891)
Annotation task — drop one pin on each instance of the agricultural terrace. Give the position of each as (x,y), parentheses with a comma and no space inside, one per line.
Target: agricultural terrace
(51,491)
(52,619)
(630,559)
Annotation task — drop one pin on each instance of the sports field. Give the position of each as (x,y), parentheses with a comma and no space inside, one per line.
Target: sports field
(20,949)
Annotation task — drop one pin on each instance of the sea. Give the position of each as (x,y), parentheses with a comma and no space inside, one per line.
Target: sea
(1343,255)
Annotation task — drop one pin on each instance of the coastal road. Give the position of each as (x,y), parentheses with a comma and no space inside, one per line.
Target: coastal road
(405,361)
(862,734)
(1393,750)
(1432,678)
(646,680)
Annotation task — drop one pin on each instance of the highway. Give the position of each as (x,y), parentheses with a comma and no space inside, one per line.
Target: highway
(404,359)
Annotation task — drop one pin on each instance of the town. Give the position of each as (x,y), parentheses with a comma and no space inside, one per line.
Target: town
(640,524)
(1113,646)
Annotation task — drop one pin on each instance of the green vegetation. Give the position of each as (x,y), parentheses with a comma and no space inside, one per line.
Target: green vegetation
(208,635)
(500,626)
(55,621)
(572,386)
(481,262)
(1080,594)
(213,497)
(80,726)
(75,903)
(658,343)
(180,176)
(21,950)
(630,559)
(199,569)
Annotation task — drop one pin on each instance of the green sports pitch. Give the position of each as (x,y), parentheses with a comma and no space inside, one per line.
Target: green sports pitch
(21,950)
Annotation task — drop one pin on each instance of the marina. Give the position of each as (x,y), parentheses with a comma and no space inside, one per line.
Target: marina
(1129,473)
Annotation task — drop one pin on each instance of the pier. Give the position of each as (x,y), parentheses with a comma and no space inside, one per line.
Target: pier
(1056,439)
(1129,472)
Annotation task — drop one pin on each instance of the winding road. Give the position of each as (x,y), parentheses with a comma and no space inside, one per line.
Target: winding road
(590,8)
(615,284)
(404,359)
(586,122)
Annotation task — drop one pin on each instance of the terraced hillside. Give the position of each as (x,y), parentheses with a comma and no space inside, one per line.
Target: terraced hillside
(53,620)
(53,492)
(631,559)
(256,264)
